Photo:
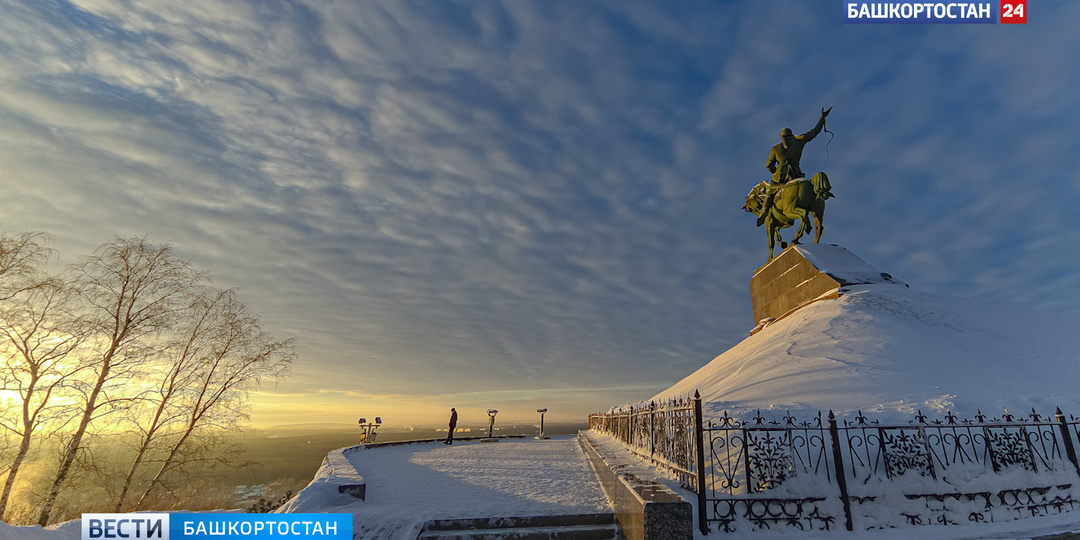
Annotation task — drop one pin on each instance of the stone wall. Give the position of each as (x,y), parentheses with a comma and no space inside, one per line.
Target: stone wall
(645,510)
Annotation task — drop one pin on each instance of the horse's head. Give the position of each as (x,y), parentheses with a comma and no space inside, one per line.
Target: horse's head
(755,198)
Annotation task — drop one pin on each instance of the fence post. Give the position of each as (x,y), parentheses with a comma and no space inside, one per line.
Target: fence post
(652,429)
(1070,450)
(624,426)
(841,476)
(699,448)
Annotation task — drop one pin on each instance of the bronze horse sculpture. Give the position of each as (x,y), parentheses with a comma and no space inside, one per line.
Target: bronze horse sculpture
(794,200)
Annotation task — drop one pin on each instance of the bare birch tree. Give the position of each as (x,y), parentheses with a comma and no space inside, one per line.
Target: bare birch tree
(38,335)
(159,411)
(22,262)
(32,345)
(237,357)
(132,292)
(175,418)
(132,329)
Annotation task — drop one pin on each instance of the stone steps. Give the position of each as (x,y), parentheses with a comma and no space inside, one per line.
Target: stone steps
(575,527)
(386,530)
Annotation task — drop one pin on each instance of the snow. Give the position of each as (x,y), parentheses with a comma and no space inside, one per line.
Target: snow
(68,531)
(843,265)
(409,485)
(891,351)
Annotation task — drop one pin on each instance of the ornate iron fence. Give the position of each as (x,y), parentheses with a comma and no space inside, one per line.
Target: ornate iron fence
(662,434)
(811,474)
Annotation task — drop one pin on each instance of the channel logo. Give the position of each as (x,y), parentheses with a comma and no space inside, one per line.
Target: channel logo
(127,526)
(1014,12)
(894,12)
(219,526)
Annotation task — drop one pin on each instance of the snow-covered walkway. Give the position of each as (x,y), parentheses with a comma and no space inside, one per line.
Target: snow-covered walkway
(409,485)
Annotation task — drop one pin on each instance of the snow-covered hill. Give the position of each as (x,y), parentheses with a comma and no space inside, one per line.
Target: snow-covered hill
(890,350)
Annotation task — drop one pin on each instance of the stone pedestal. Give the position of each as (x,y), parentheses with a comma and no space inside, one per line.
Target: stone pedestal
(807,272)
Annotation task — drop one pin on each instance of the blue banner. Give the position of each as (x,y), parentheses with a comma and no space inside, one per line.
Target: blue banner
(218,526)
(893,12)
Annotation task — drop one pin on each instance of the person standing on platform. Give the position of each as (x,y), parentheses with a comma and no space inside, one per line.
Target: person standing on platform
(453,426)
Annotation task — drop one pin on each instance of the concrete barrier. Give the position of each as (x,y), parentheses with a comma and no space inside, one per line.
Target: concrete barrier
(344,475)
(341,473)
(645,510)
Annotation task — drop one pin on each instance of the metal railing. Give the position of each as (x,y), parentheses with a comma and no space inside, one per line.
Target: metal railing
(808,474)
(662,434)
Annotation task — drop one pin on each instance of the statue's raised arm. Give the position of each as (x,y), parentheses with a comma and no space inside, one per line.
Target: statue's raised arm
(784,158)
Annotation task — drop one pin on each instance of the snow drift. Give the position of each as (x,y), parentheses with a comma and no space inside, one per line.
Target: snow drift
(890,351)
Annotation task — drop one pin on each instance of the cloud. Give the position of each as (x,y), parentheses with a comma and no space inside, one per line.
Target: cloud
(531,194)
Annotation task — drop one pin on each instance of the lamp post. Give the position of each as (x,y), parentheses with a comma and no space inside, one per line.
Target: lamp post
(541,435)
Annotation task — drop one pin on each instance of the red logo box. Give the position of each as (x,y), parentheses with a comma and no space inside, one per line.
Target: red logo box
(1013,11)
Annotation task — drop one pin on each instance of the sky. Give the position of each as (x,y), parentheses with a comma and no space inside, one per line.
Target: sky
(517,205)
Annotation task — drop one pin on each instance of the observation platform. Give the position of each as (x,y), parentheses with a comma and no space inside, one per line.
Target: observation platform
(468,490)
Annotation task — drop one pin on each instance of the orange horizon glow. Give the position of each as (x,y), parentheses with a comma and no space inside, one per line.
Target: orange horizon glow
(271,408)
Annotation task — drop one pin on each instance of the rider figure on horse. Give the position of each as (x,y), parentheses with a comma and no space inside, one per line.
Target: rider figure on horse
(784,160)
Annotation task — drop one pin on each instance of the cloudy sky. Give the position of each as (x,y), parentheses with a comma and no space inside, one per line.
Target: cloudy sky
(531,204)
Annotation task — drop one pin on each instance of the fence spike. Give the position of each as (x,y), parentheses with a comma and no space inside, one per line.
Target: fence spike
(758,419)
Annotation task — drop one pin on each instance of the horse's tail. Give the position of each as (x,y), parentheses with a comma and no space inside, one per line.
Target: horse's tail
(822,186)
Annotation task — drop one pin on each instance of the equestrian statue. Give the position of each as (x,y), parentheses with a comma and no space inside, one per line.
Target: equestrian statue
(790,196)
